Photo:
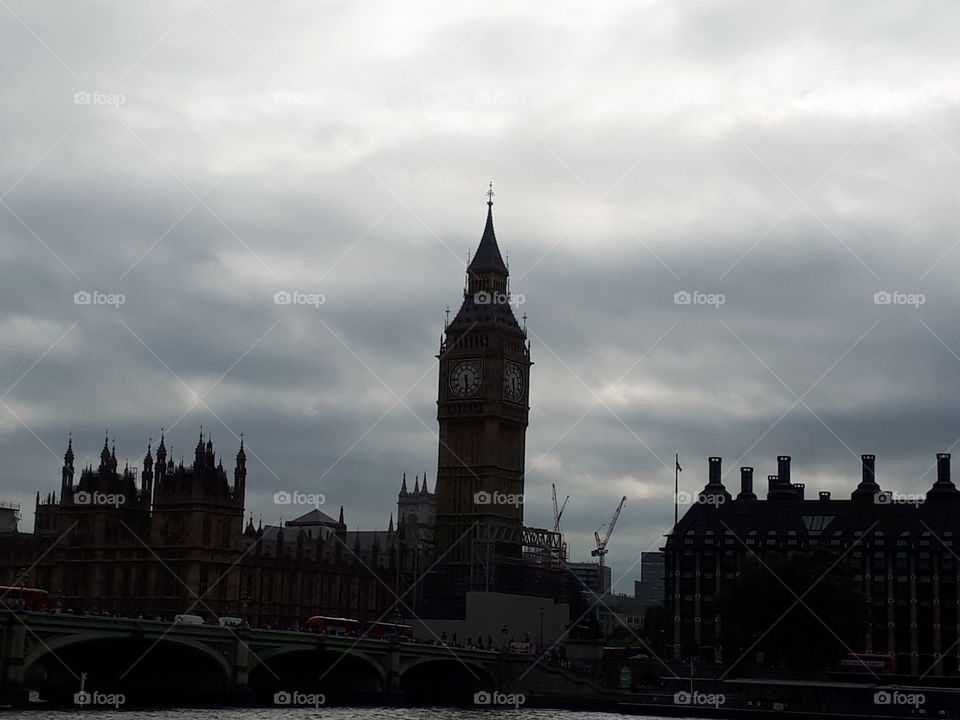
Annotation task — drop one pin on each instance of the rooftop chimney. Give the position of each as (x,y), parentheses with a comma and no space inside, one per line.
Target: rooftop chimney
(943,469)
(746,484)
(868,486)
(714,477)
(771,485)
(782,488)
(943,488)
(783,469)
(824,494)
(714,483)
(799,487)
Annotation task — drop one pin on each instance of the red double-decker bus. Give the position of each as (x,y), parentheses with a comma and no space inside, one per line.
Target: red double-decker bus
(334,625)
(23,598)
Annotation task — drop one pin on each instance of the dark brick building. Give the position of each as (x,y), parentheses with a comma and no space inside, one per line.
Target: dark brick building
(109,543)
(898,549)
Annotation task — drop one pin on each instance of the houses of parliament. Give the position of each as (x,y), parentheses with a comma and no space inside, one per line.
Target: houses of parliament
(169,538)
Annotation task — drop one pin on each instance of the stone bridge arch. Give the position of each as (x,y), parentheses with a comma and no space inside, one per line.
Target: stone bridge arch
(448,678)
(130,660)
(331,670)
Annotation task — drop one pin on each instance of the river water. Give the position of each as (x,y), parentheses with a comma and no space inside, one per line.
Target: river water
(342,713)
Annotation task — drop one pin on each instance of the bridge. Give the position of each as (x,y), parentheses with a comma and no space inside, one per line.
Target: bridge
(146,660)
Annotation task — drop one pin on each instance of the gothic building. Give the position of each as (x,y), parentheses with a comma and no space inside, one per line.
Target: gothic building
(175,543)
(110,541)
(898,549)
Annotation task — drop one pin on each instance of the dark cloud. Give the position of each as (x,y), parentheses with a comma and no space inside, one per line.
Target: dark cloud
(795,159)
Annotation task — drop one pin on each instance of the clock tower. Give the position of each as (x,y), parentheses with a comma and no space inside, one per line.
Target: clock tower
(482,409)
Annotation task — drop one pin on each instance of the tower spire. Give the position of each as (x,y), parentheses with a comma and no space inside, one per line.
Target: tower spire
(487,259)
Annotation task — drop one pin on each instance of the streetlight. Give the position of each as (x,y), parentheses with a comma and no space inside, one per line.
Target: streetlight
(541,629)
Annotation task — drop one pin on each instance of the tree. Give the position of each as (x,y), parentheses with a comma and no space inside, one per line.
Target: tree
(760,614)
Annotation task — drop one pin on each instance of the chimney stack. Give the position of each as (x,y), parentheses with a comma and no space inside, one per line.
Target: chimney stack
(783,469)
(714,476)
(714,485)
(943,488)
(746,484)
(781,488)
(868,486)
(869,469)
(943,468)
(771,485)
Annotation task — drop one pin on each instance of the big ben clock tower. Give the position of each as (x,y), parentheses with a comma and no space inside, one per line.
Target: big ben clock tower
(482,409)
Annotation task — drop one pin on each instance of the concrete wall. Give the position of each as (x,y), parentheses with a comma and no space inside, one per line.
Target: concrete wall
(488,613)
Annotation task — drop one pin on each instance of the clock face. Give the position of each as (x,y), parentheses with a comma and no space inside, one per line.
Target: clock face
(465,378)
(513,382)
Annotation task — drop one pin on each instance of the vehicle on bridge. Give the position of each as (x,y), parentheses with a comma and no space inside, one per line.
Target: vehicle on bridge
(23,598)
(189,619)
(334,625)
(388,631)
(873,663)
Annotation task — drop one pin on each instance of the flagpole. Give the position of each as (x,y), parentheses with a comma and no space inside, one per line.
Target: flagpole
(676,486)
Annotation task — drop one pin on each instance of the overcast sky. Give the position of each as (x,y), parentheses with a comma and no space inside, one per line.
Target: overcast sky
(786,160)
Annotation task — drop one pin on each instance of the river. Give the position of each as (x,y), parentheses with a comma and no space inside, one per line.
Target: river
(342,713)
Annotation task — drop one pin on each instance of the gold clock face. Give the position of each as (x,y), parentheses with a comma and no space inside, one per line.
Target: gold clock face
(465,378)
(513,382)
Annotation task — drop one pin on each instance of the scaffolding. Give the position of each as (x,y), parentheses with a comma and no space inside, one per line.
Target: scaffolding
(495,543)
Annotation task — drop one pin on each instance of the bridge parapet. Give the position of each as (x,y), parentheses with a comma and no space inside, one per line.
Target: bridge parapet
(29,640)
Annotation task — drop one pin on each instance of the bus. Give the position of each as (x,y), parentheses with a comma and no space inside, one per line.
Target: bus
(875,663)
(388,631)
(23,598)
(333,625)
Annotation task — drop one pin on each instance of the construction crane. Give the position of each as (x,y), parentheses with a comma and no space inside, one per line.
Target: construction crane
(602,544)
(557,510)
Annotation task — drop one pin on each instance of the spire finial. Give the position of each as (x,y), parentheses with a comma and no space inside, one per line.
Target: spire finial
(490,194)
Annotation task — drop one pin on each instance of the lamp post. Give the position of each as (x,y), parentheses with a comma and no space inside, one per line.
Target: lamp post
(541,629)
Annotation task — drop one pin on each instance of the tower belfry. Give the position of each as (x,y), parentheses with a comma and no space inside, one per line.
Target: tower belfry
(482,409)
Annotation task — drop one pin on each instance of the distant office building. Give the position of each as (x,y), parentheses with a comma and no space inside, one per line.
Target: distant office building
(616,611)
(648,590)
(592,576)
(9,517)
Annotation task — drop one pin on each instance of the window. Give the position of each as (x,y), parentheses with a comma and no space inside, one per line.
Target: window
(816,523)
